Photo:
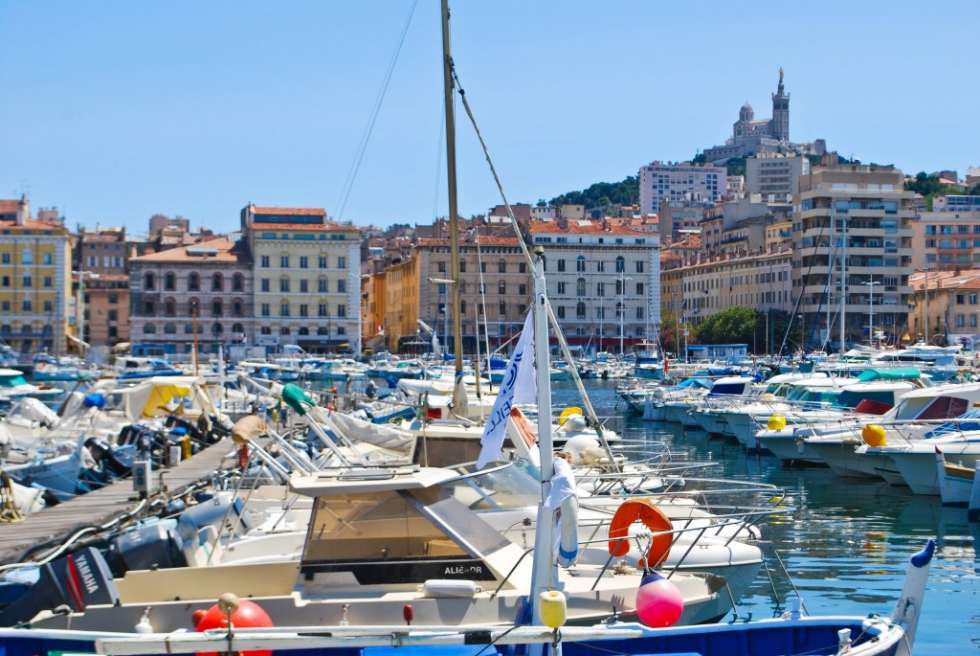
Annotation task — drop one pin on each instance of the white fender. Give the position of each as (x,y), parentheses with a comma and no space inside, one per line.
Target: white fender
(568,532)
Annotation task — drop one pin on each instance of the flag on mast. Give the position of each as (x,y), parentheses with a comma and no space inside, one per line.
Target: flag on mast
(518,386)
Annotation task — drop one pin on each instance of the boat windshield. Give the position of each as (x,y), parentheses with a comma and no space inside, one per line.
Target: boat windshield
(12,381)
(508,487)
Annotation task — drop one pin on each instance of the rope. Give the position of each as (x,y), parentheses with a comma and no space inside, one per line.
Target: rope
(369,130)
(9,513)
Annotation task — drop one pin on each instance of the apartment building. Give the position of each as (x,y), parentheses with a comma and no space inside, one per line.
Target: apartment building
(682,182)
(307,278)
(372,308)
(775,177)
(603,280)
(401,303)
(198,294)
(945,307)
(101,277)
(495,288)
(946,239)
(35,278)
(695,291)
(852,240)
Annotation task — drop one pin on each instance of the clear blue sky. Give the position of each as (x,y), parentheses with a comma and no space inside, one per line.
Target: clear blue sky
(115,110)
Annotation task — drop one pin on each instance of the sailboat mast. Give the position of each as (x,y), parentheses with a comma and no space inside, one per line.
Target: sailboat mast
(448,86)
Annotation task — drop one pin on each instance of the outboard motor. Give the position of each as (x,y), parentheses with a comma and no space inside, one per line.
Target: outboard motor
(105,456)
(156,545)
(77,580)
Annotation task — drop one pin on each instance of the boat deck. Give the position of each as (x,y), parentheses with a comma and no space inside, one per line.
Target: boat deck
(101,505)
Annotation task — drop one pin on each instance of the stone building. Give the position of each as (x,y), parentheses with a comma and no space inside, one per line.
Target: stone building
(603,280)
(307,277)
(35,278)
(200,293)
(946,239)
(101,265)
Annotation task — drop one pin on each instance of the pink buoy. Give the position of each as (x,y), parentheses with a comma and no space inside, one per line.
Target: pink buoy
(658,601)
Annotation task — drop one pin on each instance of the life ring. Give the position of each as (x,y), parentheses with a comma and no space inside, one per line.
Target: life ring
(653,518)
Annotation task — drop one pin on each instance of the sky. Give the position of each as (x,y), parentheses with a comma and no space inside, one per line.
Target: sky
(116,110)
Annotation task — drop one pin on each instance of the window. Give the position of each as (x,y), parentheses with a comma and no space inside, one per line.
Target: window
(561,288)
(304,262)
(580,287)
(522,289)
(561,311)
(619,287)
(149,329)
(341,330)
(284,285)
(322,285)
(304,286)
(639,266)
(501,266)
(113,298)
(620,264)
(48,282)
(441,267)
(217,308)
(148,308)
(194,305)
(580,310)
(341,310)
(522,267)
(580,264)
(265,310)
(27,282)
(284,261)
(502,288)
(194,281)
(5,258)
(284,310)
(600,288)
(237,308)
(217,282)
(600,266)
(170,328)
(323,330)
(265,330)
(341,286)
(170,308)
(303,330)
(639,313)
(238,283)
(304,310)
(321,261)
(341,262)
(149,281)
(49,307)
(264,284)
(639,289)
(462,308)
(462,266)
(27,256)
(502,308)
(321,310)
(561,265)
(264,261)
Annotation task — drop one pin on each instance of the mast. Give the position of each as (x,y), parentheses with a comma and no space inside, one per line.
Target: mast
(447,80)
(843,286)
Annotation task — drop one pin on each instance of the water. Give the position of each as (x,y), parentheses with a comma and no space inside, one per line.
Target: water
(847,542)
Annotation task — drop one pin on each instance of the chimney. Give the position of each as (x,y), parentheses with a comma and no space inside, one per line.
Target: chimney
(23,210)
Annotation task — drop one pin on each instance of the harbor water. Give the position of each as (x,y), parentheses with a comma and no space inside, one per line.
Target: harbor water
(845,544)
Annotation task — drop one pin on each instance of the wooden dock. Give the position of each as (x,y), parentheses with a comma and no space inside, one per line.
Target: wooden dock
(101,505)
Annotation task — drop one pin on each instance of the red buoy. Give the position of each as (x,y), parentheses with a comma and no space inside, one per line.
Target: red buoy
(248,615)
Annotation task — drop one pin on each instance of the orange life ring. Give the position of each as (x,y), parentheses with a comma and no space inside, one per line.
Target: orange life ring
(653,518)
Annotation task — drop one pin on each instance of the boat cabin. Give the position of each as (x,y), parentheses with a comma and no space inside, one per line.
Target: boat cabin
(395,527)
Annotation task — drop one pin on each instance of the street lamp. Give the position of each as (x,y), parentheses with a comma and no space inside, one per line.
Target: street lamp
(871,309)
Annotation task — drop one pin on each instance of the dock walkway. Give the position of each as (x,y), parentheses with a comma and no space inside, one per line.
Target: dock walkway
(101,505)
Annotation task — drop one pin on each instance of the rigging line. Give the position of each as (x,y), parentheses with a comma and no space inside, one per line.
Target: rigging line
(552,317)
(369,129)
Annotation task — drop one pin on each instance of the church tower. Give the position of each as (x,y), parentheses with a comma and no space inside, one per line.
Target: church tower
(779,126)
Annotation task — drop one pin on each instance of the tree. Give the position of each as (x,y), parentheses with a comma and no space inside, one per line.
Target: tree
(744,325)
(625,192)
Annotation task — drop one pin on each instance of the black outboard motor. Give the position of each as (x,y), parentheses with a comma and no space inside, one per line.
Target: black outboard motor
(154,546)
(102,453)
(77,580)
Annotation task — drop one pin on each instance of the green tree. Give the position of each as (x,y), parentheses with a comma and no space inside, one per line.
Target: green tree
(735,325)
(625,192)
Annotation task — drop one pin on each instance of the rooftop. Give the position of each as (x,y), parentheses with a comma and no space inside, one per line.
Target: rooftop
(584,227)
(963,279)
(220,249)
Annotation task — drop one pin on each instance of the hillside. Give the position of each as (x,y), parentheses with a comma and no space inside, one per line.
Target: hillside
(600,194)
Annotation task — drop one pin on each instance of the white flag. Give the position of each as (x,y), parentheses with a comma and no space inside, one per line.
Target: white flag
(515,378)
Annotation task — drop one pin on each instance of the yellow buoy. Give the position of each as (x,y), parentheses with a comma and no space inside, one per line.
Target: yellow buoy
(553,609)
(777,422)
(874,435)
(570,411)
